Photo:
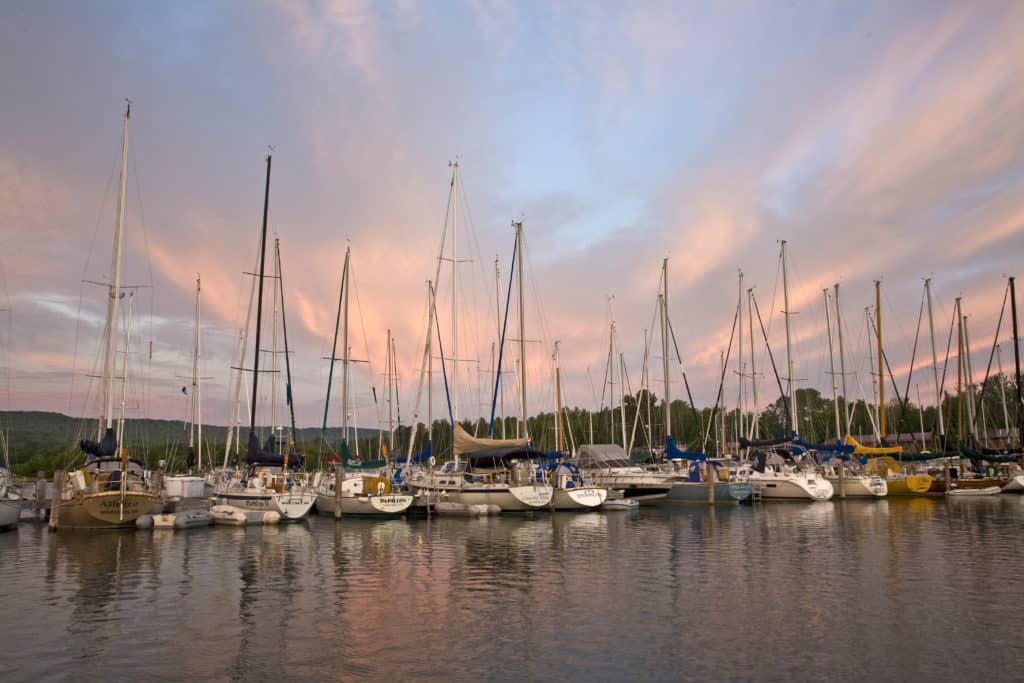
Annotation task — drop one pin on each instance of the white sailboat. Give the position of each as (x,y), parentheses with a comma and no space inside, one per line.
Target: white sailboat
(358,495)
(267,484)
(496,471)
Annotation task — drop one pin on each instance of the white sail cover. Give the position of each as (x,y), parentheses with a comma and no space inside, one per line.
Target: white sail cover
(464,443)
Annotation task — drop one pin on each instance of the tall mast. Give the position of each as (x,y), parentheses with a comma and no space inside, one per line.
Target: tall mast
(664,349)
(881,376)
(795,426)
(622,397)
(388,376)
(754,430)
(874,378)
(289,395)
(115,286)
(334,350)
(344,359)
(935,359)
(741,403)
(959,373)
(455,293)
(559,432)
(197,399)
(195,371)
(832,368)
(972,417)
(259,303)
(1016,365)
(522,328)
(842,362)
(1002,393)
(497,370)
(273,347)
(124,375)
(431,302)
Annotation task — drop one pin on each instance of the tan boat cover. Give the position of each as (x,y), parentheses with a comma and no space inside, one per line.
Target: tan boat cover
(860,449)
(464,443)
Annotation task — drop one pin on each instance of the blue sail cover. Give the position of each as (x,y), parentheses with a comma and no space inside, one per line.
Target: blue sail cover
(835,447)
(255,455)
(672,452)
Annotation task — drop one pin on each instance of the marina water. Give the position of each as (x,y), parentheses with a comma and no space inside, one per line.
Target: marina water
(845,590)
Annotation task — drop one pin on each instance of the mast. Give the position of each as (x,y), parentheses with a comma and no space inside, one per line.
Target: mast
(935,360)
(432,303)
(497,308)
(195,371)
(243,341)
(741,403)
(289,396)
(124,376)
(455,295)
(1016,365)
(334,350)
(344,364)
(875,379)
(197,400)
(842,362)
(959,373)
(522,328)
(1002,394)
(881,380)
(259,303)
(754,428)
(559,432)
(832,368)
(664,349)
(106,418)
(972,417)
(920,415)
(622,398)
(273,351)
(388,375)
(795,426)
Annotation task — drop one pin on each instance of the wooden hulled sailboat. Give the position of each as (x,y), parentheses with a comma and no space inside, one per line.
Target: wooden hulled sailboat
(110,491)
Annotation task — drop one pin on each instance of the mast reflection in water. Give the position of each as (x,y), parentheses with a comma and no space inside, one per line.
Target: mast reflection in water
(888,589)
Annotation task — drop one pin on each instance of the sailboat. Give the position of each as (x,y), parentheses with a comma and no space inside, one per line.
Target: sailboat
(786,481)
(189,487)
(10,501)
(111,491)
(495,472)
(267,484)
(357,495)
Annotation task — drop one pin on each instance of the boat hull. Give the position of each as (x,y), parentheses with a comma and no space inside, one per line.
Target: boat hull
(290,505)
(1015,485)
(389,505)
(509,499)
(10,512)
(726,493)
(791,489)
(854,486)
(910,485)
(972,492)
(581,498)
(104,510)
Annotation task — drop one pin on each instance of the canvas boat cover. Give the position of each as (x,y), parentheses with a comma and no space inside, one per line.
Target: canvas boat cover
(465,443)
(602,455)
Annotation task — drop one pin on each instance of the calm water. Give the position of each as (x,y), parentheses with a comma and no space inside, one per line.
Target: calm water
(887,590)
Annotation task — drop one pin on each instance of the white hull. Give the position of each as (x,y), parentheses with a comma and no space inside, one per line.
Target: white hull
(728,493)
(581,498)
(791,487)
(388,505)
(10,512)
(620,504)
(290,505)
(508,498)
(859,486)
(463,510)
(1015,485)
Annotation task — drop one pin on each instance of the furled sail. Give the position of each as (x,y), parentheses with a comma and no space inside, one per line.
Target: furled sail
(464,443)
(860,449)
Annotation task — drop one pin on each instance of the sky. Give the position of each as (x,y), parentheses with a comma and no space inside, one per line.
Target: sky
(882,141)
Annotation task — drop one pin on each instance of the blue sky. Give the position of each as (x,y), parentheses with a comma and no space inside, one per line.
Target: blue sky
(881,140)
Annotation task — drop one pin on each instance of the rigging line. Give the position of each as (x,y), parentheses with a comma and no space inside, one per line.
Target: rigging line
(945,366)
(721,382)
(699,419)
(991,357)
(775,369)
(913,357)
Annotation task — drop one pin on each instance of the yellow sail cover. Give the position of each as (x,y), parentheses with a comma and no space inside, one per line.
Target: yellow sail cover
(464,443)
(861,449)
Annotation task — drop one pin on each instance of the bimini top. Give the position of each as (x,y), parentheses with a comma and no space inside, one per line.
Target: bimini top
(602,455)
(499,457)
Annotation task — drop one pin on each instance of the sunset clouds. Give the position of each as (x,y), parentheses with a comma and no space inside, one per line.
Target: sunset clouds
(881,141)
